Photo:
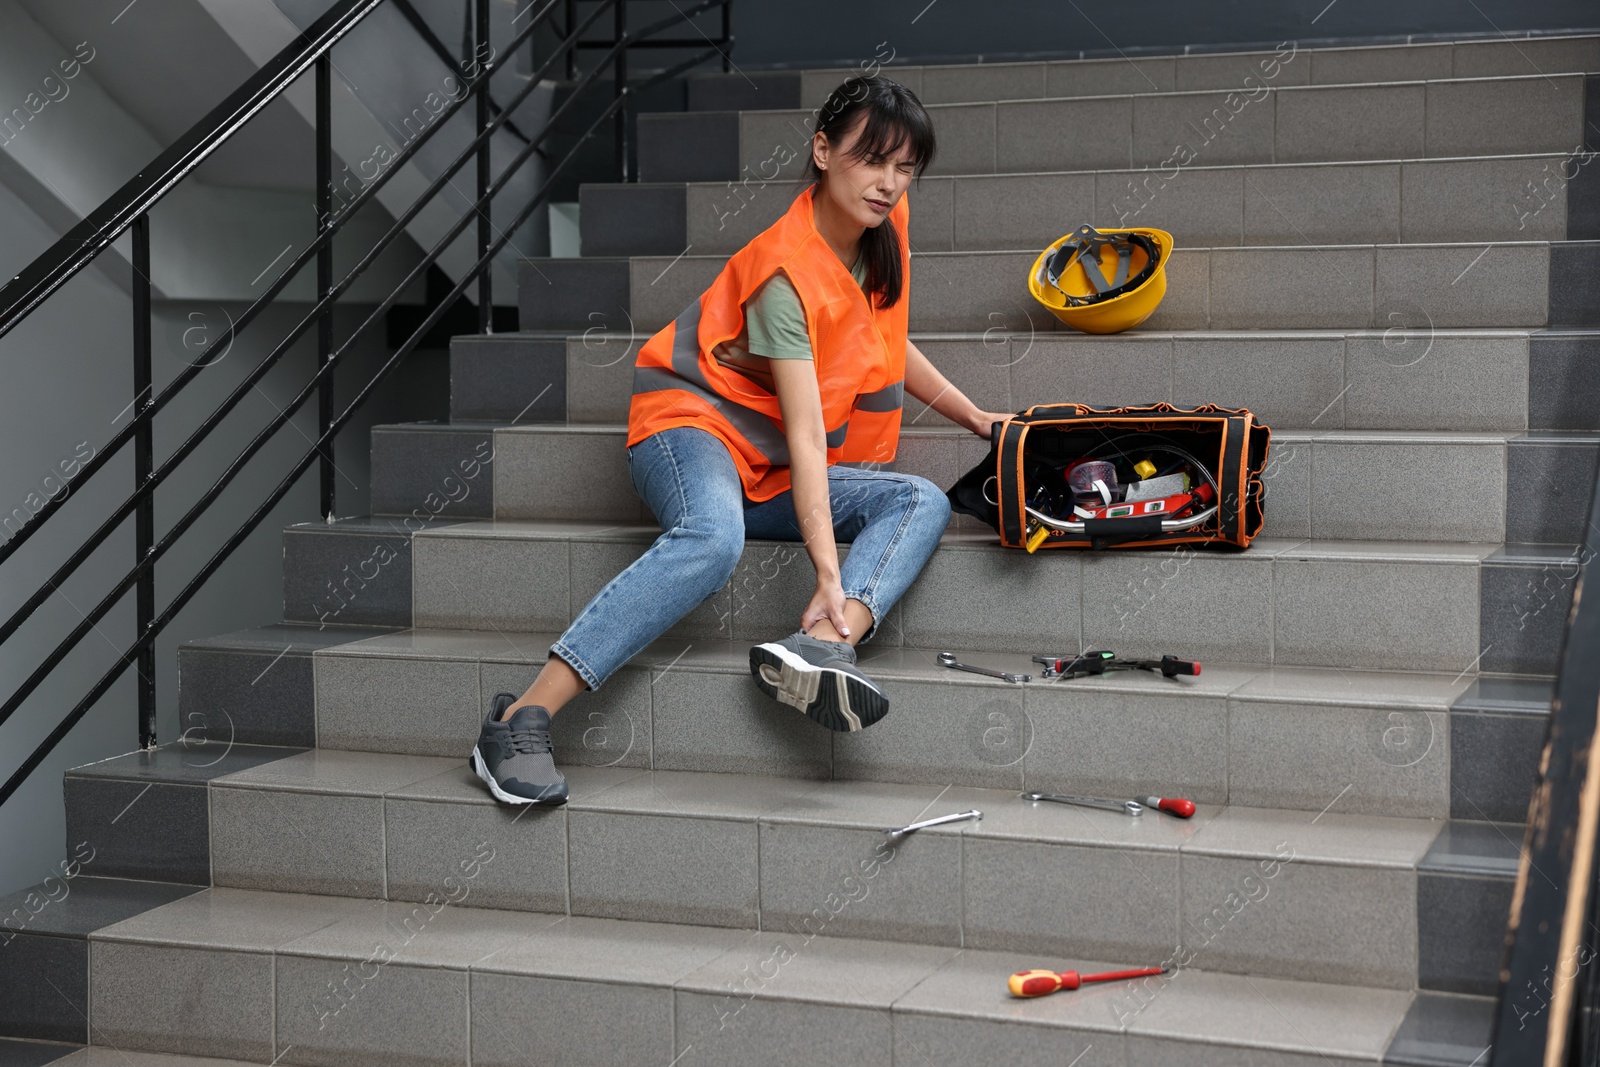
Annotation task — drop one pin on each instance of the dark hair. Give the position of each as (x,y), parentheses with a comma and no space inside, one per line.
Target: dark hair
(894,116)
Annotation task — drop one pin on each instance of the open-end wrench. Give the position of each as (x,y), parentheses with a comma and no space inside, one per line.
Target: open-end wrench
(948,659)
(899,832)
(1127,807)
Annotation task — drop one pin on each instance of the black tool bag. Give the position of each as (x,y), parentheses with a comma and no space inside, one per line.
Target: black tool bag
(1030,487)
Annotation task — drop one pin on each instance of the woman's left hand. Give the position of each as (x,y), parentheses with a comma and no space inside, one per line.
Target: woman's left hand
(983,421)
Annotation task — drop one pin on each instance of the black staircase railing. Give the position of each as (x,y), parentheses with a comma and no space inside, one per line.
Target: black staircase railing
(128,211)
(1548,1011)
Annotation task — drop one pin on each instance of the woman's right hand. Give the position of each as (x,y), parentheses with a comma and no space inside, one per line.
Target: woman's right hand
(827,602)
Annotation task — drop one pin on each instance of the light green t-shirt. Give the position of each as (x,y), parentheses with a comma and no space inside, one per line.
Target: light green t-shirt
(774,327)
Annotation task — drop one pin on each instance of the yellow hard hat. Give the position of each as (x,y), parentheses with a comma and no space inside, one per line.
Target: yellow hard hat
(1070,277)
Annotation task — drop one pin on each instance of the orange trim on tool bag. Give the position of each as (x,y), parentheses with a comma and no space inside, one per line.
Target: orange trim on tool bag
(1022,503)
(1208,418)
(1244,484)
(1223,451)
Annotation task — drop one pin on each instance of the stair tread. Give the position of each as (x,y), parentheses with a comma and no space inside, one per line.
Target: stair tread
(942,432)
(1093,58)
(1332,436)
(1476,848)
(298,637)
(23,1052)
(1215,830)
(1281,165)
(90,904)
(1514,696)
(1210,1007)
(667,116)
(1443,1030)
(103,1056)
(1260,682)
(915,254)
(189,759)
(1225,50)
(984,540)
(1270,334)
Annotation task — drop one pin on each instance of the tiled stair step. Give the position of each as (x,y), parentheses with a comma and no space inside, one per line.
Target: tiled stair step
(293,978)
(1404,605)
(1412,119)
(20,1052)
(45,944)
(652,714)
(1387,742)
(954,83)
(1391,379)
(750,851)
(1497,730)
(106,1056)
(1464,887)
(1407,605)
(48,945)
(1369,485)
(1299,287)
(361,572)
(1443,1030)
(1494,199)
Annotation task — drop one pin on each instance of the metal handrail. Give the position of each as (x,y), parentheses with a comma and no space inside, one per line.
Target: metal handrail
(414,17)
(64,259)
(1548,994)
(315,315)
(127,211)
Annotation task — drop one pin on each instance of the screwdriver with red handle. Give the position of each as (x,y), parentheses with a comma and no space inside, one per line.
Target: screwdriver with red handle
(1171,805)
(1038,983)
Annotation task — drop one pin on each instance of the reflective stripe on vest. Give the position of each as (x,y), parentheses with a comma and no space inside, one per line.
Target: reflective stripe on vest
(756,427)
(889,398)
(858,352)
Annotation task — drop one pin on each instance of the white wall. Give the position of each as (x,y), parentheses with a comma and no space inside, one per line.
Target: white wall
(65,378)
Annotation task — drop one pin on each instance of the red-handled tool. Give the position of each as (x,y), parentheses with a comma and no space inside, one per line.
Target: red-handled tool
(1172,805)
(1038,983)
(1171,666)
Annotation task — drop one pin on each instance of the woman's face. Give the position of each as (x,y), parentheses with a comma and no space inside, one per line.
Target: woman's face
(865,190)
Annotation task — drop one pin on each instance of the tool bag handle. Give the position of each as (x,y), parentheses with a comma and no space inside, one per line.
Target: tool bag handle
(1103,532)
(1056,411)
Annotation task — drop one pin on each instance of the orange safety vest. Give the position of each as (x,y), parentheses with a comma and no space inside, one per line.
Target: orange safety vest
(859,351)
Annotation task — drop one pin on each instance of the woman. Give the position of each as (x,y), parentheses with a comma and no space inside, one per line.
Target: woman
(767,410)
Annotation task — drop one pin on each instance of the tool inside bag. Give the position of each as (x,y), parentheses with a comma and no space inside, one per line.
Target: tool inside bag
(1072,476)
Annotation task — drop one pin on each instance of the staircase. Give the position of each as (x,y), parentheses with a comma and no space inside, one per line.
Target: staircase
(1391,255)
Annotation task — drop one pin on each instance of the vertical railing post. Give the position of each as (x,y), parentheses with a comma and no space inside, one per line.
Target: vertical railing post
(485,226)
(727,36)
(144,524)
(324,77)
(621,117)
(572,53)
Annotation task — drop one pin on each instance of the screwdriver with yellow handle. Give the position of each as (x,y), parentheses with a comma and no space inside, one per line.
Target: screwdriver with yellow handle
(1038,983)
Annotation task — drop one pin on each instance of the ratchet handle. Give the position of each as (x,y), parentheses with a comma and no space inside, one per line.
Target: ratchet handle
(1172,666)
(1094,662)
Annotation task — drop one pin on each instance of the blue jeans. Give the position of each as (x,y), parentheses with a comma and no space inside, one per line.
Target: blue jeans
(686,475)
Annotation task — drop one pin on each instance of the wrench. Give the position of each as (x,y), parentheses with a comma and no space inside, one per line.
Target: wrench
(948,659)
(1127,807)
(897,833)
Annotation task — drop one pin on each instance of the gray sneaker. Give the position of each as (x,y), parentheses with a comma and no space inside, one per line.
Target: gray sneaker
(820,678)
(515,758)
